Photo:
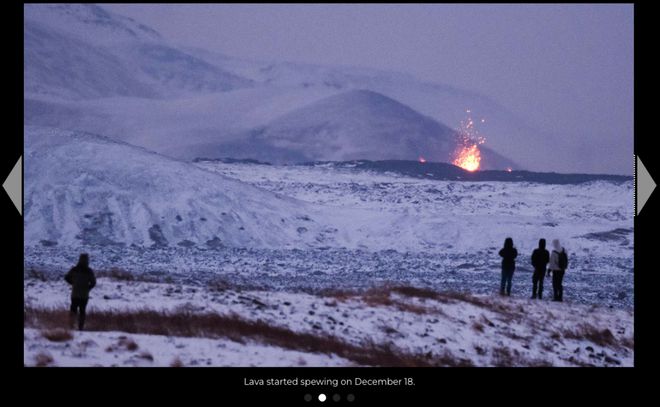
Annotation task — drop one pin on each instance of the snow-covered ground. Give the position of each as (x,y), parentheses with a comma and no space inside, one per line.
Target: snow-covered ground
(269,242)
(439,328)
(324,227)
(113,349)
(382,229)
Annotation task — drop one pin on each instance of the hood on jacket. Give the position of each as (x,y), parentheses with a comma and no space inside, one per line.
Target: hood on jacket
(556,246)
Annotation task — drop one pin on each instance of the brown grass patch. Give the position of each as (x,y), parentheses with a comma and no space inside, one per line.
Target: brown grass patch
(146,356)
(57,334)
(628,342)
(218,284)
(208,325)
(116,273)
(35,274)
(43,359)
(176,362)
(504,357)
(601,337)
(478,326)
(469,298)
(128,344)
(416,292)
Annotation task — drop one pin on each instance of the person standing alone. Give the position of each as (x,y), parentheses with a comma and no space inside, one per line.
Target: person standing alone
(82,280)
(508,254)
(540,259)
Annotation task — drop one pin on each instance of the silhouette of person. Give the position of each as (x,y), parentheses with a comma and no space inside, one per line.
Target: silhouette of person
(555,267)
(540,259)
(82,280)
(508,254)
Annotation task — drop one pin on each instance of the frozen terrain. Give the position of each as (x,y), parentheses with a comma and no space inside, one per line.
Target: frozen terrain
(309,228)
(312,265)
(82,188)
(207,262)
(385,326)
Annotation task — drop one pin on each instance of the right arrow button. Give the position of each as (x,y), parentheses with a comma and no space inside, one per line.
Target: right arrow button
(645,185)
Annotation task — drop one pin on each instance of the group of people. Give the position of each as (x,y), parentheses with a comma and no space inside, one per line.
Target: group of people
(544,263)
(82,279)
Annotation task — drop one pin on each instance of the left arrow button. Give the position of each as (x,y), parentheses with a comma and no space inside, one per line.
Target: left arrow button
(14,185)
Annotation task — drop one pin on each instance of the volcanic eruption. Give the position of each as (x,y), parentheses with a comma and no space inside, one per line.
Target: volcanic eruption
(467,154)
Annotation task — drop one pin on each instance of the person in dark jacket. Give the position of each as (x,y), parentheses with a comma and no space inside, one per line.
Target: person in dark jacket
(508,254)
(82,280)
(540,259)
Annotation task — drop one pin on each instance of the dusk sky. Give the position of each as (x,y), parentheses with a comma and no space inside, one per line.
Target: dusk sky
(566,69)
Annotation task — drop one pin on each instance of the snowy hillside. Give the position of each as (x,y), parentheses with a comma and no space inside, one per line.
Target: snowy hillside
(364,227)
(381,210)
(85,189)
(80,51)
(60,66)
(82,189)
(385,326)
(85,21)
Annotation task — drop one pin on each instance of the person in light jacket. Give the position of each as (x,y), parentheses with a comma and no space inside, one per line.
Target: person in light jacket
(555,268)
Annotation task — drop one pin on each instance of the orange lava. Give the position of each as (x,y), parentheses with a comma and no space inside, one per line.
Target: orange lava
(468,158)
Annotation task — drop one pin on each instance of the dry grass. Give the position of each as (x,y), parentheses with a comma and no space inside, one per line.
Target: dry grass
(37,275)
(601,337)
(43,359)
(382,296)
(374,297)
(218,284)
(208,325)
(129,344)
(480,351)
(57,334)
(505,357)
(146,356)
(628,342)
(117,274)
(123,343)
(416,292)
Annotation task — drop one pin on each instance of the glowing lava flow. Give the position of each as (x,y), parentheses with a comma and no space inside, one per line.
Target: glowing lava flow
(468,158)
(467,154)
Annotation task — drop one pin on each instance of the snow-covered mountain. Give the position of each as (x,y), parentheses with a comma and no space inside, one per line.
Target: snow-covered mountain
(91,70)
(505,132)
(83,52)
(345,126)
(89,21)
(84,189)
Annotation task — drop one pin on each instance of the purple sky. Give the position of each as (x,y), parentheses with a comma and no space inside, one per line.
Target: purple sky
(567,69)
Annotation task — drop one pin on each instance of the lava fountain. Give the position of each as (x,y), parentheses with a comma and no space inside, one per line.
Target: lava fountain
(468,158)
(467,154)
